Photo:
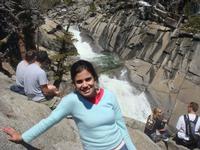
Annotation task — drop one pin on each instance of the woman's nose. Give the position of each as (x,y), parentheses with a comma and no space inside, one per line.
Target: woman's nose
(84,84)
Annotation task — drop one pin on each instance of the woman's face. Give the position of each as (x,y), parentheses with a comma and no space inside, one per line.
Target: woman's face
(159,113)
(85,84)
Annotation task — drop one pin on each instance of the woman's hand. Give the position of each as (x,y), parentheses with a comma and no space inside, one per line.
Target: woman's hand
(14,135)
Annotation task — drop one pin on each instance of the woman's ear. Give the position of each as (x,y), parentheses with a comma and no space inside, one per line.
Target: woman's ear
(96,85)
(73,86)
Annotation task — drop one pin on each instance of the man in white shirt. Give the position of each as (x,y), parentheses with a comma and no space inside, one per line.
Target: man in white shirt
(36,84)
(183,136)
(30,57)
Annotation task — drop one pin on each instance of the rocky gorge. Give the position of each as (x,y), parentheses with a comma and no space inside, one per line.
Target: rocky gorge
(162,57)
(149,36)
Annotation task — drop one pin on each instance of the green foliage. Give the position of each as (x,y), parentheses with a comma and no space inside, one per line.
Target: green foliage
(47,4)
(68,2)
(67,50)
(191,7)
(187,8)
(92,7)
(61,56)
(67,38)
(193,24)
(72,52)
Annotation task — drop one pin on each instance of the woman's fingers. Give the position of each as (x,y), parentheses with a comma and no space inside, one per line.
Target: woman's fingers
(8,130)
(14,135)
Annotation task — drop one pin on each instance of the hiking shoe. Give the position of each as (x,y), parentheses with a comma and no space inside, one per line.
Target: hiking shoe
(165,139)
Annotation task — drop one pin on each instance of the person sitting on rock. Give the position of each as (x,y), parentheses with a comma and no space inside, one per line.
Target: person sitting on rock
(36,84)
(155,126)
(188,127)
(95,111)
(19,85)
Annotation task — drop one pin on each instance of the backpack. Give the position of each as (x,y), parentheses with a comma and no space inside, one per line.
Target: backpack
(150,123)
(190,131)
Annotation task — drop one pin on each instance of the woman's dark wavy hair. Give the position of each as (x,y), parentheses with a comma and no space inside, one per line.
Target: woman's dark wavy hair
(81,65)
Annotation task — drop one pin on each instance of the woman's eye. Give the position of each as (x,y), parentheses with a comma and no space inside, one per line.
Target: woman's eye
(79,81)
(88,79)
(85,80)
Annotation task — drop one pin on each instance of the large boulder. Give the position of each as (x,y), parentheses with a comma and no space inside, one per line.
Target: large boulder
(140,138)
(17,112)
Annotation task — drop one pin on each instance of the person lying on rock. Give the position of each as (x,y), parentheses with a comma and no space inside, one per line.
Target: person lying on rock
(95,111)
(29,58)
(155,126)
(188,127)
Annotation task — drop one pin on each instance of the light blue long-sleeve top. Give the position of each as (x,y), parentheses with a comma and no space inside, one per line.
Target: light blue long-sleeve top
(101,126)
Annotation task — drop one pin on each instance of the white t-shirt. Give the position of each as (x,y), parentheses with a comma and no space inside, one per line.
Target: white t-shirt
(34,77)
(20,72)
(181,127)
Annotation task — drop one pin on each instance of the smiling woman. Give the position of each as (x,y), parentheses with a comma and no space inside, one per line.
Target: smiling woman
(84,78)
(94,110)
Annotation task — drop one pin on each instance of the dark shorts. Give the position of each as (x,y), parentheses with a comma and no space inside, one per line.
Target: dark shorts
(189,144)
(17,89)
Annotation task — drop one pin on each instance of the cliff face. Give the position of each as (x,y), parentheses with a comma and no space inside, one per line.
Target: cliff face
(160,56)
(17,112)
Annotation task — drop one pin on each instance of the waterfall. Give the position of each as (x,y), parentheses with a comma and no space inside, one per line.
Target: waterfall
(132,106)
(83,48)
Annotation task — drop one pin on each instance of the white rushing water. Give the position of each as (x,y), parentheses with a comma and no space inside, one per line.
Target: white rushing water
(133,106)
(83,48)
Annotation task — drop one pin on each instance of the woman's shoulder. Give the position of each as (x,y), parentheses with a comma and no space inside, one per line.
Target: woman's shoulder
(109,95)
(68,100)
(107,91)
(112,94)
(71,95)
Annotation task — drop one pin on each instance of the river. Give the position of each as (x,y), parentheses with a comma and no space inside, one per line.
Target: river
(132,105)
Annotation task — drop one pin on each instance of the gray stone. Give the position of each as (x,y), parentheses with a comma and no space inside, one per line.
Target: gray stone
(17,112)
(195,64)
(139,71)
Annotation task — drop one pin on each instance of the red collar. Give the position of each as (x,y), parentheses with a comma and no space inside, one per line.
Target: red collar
(98,97)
